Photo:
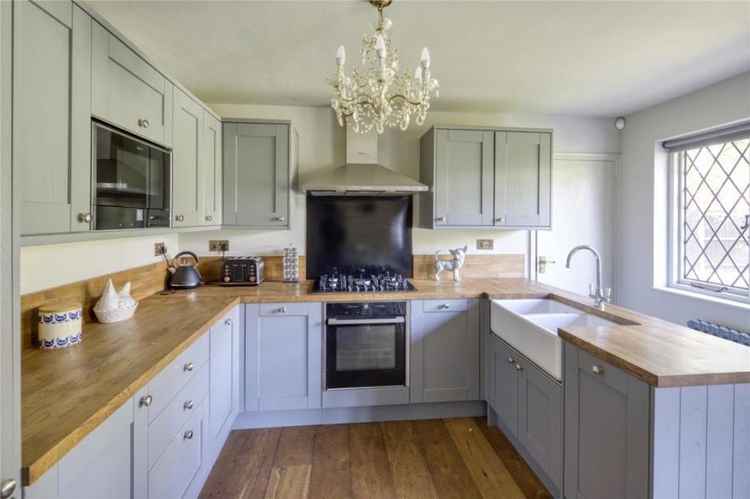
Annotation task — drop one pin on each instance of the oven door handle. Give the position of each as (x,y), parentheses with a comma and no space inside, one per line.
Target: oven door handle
(349,322)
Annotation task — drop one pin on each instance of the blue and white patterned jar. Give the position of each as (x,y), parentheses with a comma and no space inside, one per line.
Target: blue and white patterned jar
(60,325)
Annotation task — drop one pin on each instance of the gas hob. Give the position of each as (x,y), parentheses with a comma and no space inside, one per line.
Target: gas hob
(362,280)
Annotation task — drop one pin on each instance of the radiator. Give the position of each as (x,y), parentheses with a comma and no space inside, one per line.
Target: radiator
(728,333)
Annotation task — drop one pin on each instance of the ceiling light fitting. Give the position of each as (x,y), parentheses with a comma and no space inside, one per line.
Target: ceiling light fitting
(376,95)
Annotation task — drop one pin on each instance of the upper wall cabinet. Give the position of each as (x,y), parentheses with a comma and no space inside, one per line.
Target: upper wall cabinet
(128,91)
(51,118)
(486,178)
(256,175)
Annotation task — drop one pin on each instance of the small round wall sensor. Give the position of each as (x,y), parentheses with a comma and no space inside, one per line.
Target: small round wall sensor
(620,123)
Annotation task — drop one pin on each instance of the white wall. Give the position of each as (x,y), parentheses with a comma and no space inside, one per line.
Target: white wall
(53,265)
(642,222)
(322,146)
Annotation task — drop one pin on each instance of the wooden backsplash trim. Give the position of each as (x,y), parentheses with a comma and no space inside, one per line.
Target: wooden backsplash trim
(475,266)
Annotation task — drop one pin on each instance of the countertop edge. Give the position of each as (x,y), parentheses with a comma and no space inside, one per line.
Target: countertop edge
(33,469)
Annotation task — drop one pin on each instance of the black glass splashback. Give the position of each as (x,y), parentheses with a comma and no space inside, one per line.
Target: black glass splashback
(349,232)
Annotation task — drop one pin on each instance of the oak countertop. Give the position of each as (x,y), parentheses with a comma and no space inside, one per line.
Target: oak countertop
(66,394)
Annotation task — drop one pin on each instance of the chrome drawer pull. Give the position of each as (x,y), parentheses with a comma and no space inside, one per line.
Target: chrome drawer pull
(145,401)
(143,123)
(209,218)
(443,306)
(280,310)
(278,219)
(597,370)
(519,367)
(188,406)
(440,219)
(188,435)
(188,367)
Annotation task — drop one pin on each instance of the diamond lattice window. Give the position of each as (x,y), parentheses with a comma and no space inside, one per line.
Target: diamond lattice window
(714,203)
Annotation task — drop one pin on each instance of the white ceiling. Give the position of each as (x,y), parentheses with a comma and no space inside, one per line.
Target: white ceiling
(581,58)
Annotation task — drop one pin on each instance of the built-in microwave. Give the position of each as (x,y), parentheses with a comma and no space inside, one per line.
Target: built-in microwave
(130,181)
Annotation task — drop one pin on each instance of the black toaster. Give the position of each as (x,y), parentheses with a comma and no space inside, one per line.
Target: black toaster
(242,271)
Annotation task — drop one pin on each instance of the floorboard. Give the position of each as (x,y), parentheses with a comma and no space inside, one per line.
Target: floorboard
(446,459)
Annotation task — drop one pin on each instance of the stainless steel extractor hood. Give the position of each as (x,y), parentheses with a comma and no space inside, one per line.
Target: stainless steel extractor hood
(362,173)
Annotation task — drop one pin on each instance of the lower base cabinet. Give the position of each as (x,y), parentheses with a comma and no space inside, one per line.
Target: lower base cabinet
(162,443)
(528,404)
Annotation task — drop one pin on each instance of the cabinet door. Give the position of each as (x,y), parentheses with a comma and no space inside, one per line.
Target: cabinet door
(505,380)
(188,177)
(128,91)
(523,171)
(52,116)
(445,351)
(283,356)
(212,170)
(256,175)
(463,178)
(99,467)
(540,417)
(607,420)
(221,370)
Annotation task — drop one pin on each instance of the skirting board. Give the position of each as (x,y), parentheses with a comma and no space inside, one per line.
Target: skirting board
(305,417)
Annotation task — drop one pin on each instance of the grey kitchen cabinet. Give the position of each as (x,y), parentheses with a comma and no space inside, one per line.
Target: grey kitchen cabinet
(529,408)
(444,353)
(485,177)
(51,116)
(188,177)
(283,356)
(212,170)
(607,430)
(127,91)
(523,173)
(224,375)
(99,467)
(256,175)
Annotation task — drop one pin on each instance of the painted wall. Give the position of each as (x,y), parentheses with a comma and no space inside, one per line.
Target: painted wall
(322,146)
(642,203)
(53,265)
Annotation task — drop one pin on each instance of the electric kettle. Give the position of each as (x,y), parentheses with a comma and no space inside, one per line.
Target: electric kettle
(184,275)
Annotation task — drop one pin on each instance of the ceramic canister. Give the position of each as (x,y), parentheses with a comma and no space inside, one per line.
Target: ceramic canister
(60,325)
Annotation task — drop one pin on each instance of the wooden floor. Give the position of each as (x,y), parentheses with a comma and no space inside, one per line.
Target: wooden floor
(451,458)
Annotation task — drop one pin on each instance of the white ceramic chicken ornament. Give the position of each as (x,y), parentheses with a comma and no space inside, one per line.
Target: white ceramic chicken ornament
(114,306)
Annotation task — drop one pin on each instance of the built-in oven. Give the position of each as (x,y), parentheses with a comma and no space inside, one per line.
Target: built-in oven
(131,181)
(366,345)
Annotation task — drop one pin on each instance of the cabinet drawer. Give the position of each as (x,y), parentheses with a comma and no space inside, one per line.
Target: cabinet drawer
(445,305)
(610,375)
(174,471)
(273,309)
(165,386)
(190,398)
(127,90)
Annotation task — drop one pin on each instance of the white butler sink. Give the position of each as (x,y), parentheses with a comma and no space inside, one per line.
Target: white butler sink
(530,326)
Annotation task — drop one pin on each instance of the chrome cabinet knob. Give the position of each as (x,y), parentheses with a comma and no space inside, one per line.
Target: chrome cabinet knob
(500,220)
(180,218)
(146,401)
(597,369)
(278,219)
(443,306)
(511,360)
(188,406)
(228,322)
(144,123)
(280,310)
(188,435)
(519,367)
(84,218)
(7,487)
(440,219)
(188,367)
(209,218)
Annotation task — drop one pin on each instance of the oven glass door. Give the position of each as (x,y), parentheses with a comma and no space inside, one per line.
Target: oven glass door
(367,352)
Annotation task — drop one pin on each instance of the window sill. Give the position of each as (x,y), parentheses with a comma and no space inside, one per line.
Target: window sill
(738,303)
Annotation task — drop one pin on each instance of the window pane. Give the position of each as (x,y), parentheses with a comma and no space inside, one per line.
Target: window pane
(714,200)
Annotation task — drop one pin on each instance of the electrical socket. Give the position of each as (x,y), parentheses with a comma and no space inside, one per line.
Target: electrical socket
(160,249)
(218,245)
(485,244)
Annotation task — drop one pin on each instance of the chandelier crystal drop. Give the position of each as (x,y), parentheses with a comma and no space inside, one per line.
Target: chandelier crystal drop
(376,94)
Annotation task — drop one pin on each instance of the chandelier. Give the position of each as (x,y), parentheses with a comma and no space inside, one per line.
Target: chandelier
(376,94)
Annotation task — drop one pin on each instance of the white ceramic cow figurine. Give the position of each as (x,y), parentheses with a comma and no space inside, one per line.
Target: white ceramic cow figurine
(459,255)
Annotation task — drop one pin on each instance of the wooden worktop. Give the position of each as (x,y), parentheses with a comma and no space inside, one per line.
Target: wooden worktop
(66,394)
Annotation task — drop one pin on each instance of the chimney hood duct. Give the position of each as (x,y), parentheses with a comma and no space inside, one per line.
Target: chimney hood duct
(362,173)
